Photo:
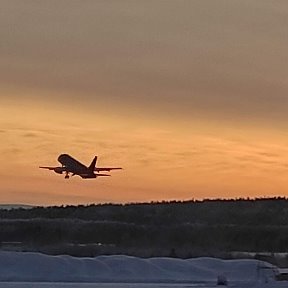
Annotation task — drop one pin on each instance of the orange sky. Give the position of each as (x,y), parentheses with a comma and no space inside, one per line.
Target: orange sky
(189,97)
(161,160)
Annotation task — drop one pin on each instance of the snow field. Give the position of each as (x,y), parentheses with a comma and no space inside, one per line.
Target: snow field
(35,267)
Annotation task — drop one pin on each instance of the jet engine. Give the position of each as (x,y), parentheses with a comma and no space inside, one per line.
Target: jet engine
(58,170)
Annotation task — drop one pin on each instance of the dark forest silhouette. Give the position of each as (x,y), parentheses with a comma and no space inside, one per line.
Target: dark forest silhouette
(176,228)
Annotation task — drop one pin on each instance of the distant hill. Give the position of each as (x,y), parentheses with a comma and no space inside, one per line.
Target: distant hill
(15,206)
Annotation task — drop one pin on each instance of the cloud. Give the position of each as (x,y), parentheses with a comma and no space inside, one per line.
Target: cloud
(189,58)
(30,135)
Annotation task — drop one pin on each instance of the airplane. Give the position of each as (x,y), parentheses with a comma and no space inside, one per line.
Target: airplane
(71,165)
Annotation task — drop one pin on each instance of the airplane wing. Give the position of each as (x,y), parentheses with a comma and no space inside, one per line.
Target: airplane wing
(106,169)
(49,168)
(58,170)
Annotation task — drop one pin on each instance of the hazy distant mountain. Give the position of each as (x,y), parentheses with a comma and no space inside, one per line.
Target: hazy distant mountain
(15,206)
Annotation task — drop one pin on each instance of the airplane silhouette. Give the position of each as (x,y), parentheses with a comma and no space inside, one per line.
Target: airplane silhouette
(71,165)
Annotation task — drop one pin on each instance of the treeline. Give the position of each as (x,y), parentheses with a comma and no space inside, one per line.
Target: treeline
(266,211)
(150,229)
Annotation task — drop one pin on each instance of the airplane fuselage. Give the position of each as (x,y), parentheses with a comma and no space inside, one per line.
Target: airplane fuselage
(73,166)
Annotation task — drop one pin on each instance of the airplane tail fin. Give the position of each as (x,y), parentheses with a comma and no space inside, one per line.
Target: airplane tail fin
(93,164)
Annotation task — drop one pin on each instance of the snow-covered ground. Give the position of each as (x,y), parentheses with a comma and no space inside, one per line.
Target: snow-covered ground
(18,269)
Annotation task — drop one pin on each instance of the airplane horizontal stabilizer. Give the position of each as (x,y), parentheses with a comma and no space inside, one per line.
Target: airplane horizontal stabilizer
(102,175)
(49,168)
(106,169)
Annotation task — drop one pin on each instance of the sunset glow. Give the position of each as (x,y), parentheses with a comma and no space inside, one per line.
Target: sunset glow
(189,98)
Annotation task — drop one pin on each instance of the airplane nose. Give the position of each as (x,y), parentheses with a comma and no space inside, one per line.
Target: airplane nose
(62,157)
